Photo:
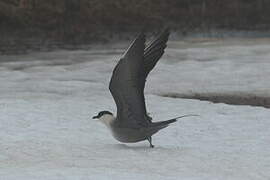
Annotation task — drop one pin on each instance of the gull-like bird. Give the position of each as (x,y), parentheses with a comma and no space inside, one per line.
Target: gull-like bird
(132,122)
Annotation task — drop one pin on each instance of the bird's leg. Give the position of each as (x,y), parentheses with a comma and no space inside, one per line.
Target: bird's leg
(150,141)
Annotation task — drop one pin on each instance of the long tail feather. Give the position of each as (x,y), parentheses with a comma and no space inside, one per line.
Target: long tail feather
(167,122)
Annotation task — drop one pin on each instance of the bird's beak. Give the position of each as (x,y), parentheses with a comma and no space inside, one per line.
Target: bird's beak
(94,117)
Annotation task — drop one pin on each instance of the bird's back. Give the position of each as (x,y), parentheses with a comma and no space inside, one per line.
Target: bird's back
(140,133)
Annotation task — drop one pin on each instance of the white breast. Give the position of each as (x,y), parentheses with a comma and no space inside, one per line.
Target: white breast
(107,119)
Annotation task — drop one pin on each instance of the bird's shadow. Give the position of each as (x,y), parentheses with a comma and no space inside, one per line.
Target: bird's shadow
(141,147)
(125,146)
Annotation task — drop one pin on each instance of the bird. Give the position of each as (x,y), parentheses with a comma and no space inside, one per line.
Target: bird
(132,122)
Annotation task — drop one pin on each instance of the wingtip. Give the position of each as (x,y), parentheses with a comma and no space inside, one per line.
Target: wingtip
(164,34)
(139,40)
(166,31)
(141,35)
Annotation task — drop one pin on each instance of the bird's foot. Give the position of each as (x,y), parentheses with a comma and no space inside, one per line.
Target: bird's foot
(150,141)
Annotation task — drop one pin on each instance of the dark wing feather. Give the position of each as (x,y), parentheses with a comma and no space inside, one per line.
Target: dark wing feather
(154,51)
(129,76)
(151,55)
(125,86)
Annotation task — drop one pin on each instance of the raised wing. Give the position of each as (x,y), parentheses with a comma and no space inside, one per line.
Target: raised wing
(155,50)
(129,76)
(125,86)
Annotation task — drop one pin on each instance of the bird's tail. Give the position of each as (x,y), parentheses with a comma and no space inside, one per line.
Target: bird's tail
(167,122)
(156,126)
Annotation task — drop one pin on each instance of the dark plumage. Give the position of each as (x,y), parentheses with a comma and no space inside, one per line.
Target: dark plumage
(132,123)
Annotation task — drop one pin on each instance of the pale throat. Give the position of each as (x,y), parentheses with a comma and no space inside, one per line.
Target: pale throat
(107,119)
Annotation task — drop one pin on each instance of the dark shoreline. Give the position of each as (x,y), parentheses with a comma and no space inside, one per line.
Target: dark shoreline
(16,44)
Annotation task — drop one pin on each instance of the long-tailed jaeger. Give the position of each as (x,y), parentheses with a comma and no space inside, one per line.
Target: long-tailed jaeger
(132,122)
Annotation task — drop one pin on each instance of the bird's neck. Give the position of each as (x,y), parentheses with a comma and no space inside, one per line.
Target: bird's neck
(107,119)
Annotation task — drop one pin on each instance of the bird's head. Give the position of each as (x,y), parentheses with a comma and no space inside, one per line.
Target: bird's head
(104,116)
